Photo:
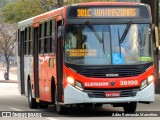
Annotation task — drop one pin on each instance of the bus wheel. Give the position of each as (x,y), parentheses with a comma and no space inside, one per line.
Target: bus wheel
(130,107)
(32,101)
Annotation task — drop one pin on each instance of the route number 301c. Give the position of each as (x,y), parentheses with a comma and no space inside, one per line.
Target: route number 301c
(128,82)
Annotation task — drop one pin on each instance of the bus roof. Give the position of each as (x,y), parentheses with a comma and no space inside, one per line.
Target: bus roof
(49,14)
(30,21)
(108,3)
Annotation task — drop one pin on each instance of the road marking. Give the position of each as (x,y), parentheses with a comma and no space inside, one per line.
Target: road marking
(52,119)
(15,109)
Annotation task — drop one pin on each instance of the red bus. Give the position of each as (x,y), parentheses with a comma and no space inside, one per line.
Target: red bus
(87,54)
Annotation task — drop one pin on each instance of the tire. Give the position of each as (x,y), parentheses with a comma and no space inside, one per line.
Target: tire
(130,107)
(32,101)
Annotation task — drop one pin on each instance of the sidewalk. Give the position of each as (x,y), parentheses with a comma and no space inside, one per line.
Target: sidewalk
(12,76)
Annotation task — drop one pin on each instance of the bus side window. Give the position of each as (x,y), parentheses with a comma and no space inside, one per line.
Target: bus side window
(18,42)
(52,34)
(46,39)
(59,32)
(25,41)
(41,38)
(30,40)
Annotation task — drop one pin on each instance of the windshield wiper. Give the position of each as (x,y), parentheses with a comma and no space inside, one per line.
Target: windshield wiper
(103,41)
(93,30)
(119,44)
(125,31)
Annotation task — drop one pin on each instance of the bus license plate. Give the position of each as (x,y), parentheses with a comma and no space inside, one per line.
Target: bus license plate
(112,94)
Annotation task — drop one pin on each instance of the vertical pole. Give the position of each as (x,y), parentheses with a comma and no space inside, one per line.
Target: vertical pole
(154,4)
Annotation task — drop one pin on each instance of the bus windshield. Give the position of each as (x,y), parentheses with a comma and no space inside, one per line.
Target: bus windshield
(101,45)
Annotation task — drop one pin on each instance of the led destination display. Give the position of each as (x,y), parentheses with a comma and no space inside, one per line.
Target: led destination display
(108,12)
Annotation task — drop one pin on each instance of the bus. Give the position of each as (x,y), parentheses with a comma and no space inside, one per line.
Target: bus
(87,54)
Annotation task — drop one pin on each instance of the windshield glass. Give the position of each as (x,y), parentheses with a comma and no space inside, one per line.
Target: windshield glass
(100,44)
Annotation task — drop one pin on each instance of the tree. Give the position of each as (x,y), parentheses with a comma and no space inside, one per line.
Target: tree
(127,0)
(2,3)
(7,39)
(60,3)
(79,1)
(21,10)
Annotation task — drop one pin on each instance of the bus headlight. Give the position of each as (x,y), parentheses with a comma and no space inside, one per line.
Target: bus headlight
(143,84)
(147,81)
(150,78)
(75,83)
(70,80)
(79,85)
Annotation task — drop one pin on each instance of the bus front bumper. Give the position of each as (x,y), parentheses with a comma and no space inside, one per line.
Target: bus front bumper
(75,96)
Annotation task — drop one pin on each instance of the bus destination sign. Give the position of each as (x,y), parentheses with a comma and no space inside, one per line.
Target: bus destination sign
(107,12)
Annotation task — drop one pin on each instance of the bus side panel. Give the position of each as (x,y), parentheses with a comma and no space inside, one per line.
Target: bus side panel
(46,72)
(27,71)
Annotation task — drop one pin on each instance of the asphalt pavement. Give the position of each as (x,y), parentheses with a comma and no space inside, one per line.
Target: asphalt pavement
(11,100)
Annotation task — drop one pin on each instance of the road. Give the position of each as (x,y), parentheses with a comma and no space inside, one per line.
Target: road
(11,100)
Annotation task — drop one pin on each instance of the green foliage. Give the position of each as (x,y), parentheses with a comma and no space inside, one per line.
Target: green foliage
(128,0)
(78,1)
(67,2)
(21,10)
(48,4)
(2,3)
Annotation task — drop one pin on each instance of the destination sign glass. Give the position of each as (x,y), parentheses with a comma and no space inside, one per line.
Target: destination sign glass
(108,12)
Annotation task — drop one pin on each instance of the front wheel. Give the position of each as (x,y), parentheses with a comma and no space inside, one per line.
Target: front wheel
(32,101)
(130,107)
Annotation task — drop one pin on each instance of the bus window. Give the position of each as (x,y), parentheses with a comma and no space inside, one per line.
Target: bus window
(25,42)
(29,41)
(52,35)
(41,38)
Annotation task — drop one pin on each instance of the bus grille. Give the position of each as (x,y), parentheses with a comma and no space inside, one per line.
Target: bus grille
(101,93)
(122,72)
(109,71)
(119,71)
